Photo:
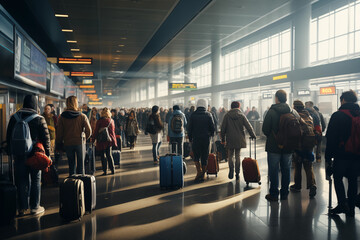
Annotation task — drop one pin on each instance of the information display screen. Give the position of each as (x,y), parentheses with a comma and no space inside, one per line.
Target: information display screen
(182,86)
(57,84)
(30,62)
(70,88)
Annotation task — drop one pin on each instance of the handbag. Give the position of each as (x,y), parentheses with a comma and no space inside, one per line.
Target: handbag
(39,160)
(104,135)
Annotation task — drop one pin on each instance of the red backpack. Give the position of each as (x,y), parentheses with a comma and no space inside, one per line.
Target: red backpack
(289,134)
(352,145)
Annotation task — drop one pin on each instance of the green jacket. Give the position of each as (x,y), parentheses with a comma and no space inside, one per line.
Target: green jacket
(271,126)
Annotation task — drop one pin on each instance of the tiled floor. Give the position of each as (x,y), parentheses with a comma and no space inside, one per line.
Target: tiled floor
(130,205)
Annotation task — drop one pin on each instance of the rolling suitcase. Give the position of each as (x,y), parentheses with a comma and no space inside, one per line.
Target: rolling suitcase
(72,205)
(213,164)
(90,166)
(116,154)
(89,182)
(251,168)
(171,171)
(7,193)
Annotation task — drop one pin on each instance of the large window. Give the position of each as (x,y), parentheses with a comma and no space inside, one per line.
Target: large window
(270,54)
(163,88)
(335,34)
(201,75)
(151,89)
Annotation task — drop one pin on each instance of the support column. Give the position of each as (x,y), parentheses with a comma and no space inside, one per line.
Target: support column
(215,74)
(147,89)
(301,23)
(170,80)
(187,79)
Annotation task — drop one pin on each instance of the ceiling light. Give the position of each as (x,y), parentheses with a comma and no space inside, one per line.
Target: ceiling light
(67,30)
(75,49)
(123,38)
(121,45)
(71,41)
(78,56)
(118,51)
(61,15)
(109,93)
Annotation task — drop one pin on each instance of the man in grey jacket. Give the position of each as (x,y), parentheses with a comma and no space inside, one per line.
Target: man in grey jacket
(232,132)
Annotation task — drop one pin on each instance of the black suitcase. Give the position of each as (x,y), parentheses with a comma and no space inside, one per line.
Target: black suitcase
(72,206)
(89,190)
(7,193)
(116,154)
(90,166)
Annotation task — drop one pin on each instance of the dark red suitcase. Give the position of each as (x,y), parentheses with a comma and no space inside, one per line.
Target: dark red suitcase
(250,168)
(213,165)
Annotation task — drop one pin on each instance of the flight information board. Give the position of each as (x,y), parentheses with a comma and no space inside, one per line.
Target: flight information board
(30,62)
(57,81)
(182,86)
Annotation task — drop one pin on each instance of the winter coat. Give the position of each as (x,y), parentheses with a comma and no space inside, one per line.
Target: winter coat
(122,121)
(51,125)
(132,127)
(201,125)
(170,132)
(101,123)
(271,126)
(253,115)
(232,129)
(322,121)
(157,122)
(38,129)
(117,125)
(338,132)
(70,127)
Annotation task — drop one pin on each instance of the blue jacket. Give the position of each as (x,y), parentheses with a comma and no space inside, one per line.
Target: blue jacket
(170,132)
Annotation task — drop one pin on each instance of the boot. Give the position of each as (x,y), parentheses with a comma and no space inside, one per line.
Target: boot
(199,171)
(204,168)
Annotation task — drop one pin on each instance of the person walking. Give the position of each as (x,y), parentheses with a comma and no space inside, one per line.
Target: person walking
(122,123)
(154,127)
(103,145)
(71,124)
(50,121)
(201,129)
(176,130)
(233,136)
(346,163)
(309,105)
(319,139)
(132,129)
(27,180)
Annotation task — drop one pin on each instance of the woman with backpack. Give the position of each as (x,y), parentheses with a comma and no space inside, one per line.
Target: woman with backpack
(154,127)
(132,129)
(104,134)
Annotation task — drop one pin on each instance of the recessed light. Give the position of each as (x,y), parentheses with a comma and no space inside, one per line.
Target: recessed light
(61,15)
(77,56)
(75,50)
(118,51)
(121,45)
(67,30)
(71,41)
(123,38)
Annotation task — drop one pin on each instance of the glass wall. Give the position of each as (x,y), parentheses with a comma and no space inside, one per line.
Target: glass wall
(163,88)
(201,75)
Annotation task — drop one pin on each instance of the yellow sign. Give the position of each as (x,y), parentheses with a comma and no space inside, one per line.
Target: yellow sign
(182,86)
(89,91)
(95,103)
(87,86)
(327,90)
(280,77)
(81,74)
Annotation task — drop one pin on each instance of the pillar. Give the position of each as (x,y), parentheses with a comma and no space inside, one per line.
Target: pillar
(187,79)
(170,80)
(215,74)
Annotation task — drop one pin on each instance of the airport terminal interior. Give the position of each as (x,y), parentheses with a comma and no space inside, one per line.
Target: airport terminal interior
(134,54)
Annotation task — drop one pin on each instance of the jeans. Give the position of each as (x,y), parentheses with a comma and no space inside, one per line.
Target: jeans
(231,152)
(123,138)
(176,141)
(274,161)
(27,181)
(308,167)
(201,151)
(155,150)
(71,151)
(106,155)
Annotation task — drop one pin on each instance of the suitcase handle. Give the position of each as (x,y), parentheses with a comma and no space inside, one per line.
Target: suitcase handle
(254,147)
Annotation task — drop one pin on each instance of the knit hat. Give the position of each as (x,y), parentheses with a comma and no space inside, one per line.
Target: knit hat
(154,109)
(30,101)
(201,103)
(299,105)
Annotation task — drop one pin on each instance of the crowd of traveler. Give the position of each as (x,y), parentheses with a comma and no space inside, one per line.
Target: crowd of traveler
(200,125)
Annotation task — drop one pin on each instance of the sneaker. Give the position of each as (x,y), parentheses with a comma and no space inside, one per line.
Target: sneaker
(343,208)
(231,174)
(294,188)
(271,198)
(312,192)
(37,211)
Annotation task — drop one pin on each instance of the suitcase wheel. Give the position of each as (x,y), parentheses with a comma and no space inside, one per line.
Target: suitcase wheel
(247,184)
(259,183)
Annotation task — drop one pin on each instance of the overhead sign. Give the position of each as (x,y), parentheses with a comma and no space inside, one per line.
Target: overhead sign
(75,61)
(267,96)
(87,81)
(89,91)
(95,103)
(182,86)
(303,92)
(81,74)
(87,86)
(280,77)
(327,90)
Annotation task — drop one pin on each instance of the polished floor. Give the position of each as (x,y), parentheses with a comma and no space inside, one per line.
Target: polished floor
(130,205)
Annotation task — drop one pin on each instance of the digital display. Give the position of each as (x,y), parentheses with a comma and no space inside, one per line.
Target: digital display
(303,93)
(75,60)
(81,74)
(30,62)
(182,86)
(70,88)
(268,95)
(327,90)
(57,84)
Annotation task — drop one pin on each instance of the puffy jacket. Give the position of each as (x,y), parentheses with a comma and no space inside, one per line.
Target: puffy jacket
(232,129)
(38,129)
(170,132)
(271,126)
(201,125)
(70,128)
(339,130)
(101,123)
(157,122)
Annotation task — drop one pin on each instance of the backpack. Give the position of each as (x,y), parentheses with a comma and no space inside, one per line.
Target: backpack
(177,123)
(21,141)
(289,134)
(150,127)
(308,138)
(352,145)
(104,135)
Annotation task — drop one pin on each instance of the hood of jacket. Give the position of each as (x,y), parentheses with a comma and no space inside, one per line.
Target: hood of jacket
(70,114)
(235,113)
(281,108)
(176,112)
(353,107)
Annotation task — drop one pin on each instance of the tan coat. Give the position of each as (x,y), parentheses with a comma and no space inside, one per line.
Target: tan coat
(70,126)
(232,129)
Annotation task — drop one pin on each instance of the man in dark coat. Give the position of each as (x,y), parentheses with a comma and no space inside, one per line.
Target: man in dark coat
(201,128)
(345,164)
(24,175)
